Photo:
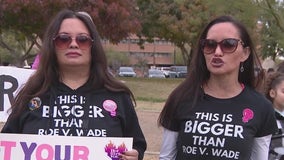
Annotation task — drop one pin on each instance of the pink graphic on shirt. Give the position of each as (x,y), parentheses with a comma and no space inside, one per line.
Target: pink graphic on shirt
(113,152)
(247,115)
(110,106)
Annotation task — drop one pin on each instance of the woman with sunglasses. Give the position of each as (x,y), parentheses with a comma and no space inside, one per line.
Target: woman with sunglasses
(216,112)
(72,93)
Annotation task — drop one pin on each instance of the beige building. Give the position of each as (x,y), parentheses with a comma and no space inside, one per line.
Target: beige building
(158,53)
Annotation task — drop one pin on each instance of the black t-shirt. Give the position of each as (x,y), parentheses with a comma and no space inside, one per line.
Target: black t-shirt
(223,128)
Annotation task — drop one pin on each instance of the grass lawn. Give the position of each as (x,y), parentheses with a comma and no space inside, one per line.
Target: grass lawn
(151,93)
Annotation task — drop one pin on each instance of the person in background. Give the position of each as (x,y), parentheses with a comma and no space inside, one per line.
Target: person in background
(269,71)
(72,85)
(36,61)
(216,113)
(275,93)
(280,67)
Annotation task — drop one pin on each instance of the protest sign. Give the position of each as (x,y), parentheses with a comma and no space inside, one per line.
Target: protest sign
(46,147)
(11,79)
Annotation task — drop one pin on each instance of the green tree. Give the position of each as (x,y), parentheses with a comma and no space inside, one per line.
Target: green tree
(272,22)
(115,19)
(180,21)
(12,47)
(116,59)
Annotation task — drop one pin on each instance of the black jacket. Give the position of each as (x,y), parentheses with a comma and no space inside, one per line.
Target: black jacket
(80,112)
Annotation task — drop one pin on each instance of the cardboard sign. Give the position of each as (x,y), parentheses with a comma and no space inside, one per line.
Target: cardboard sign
(41,147)
(11,79)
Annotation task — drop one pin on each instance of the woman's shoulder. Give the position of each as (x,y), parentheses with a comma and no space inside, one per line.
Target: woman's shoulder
(258,99)
(252,93)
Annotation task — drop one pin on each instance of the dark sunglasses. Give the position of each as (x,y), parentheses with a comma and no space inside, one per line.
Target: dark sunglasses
(228,45)
(62,41)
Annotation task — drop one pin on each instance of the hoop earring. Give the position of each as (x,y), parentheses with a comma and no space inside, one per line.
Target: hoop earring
(242,67)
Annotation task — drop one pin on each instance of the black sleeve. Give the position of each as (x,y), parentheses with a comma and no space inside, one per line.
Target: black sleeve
(268,125)
(133,129)
(12,126)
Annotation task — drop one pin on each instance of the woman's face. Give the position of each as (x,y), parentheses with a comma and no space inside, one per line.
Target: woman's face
(73,44)
(218,61)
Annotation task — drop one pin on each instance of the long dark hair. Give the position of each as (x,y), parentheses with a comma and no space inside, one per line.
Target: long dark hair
(198,73)
(48,74)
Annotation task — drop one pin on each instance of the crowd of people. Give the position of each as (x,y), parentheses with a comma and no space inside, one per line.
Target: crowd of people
(217,112)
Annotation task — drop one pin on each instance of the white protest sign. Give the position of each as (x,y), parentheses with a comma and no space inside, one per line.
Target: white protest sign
(46,147)
(11,79)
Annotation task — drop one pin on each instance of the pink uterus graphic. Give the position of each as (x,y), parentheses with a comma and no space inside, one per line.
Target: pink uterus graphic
(247,115)
(110,106)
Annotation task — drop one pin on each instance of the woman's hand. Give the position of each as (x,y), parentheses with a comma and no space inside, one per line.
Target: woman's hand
(129,155)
